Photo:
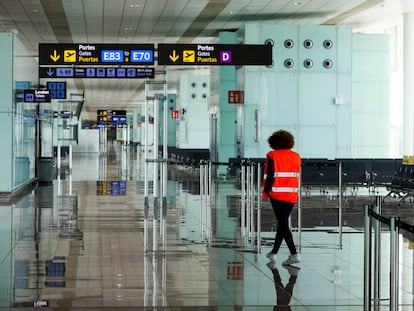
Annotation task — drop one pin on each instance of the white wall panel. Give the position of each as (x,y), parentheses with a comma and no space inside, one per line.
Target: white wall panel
(371,118)
(193,103)
(314,103)
(318,141)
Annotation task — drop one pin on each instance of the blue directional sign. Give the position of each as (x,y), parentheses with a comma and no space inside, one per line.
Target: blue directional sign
(90,72)
(121,72)
(96,72)
(111,72)
(112,56)
(142,56)
(64,72)
(57,89)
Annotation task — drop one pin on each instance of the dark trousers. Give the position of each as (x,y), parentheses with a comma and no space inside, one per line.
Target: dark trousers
(282,212)
(283,293)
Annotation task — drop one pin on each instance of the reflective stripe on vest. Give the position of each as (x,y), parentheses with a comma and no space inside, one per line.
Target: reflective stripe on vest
(284,189)
(286,174)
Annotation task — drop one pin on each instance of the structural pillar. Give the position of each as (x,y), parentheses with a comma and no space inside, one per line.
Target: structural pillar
(6,112)
(408,65)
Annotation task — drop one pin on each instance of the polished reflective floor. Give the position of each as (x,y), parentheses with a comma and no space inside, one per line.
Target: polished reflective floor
(85,242)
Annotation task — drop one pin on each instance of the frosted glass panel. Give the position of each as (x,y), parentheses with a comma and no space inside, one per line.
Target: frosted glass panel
(317,99)
(317,142)
(369,97)
(279,97)
(371,123)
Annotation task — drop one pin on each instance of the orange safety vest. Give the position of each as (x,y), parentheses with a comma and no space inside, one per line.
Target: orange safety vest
(286,175)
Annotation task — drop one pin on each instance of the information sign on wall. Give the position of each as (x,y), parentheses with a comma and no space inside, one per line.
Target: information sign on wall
(236,97)
(175,114)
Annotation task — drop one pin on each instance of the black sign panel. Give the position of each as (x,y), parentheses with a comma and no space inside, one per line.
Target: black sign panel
(96,72)
(214,54)
(96,54)
(111,117)
(37,96)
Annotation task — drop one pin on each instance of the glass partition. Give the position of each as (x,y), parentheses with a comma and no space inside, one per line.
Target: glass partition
(24,143)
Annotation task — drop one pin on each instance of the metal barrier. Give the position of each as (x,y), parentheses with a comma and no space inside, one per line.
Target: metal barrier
(250,207)
(250,199)
(372,224)
(251,202)
(206,193)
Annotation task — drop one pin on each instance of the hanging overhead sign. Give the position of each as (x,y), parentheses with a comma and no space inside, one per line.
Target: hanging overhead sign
(96,54)
(214,54)
(57,89)
(96,72)
(37,96)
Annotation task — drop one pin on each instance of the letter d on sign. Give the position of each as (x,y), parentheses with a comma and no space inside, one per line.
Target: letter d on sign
(225,57)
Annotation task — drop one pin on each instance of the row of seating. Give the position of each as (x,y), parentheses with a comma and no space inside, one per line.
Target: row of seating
(404,178)
(361,171)
(321,171)
(188,157)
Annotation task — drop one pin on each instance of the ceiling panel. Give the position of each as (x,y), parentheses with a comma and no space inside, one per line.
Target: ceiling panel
(76,19)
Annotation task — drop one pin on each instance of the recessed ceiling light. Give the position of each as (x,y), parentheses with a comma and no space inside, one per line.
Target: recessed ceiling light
(34,11)
(297,3)
(134,5)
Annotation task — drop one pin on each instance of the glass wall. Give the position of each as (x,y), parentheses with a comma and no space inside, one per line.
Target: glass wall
(25,76)
(24,142)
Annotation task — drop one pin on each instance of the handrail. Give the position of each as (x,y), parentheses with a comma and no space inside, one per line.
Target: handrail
(403,225)
(395,225)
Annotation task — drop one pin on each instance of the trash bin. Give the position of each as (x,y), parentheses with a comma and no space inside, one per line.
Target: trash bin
(45,169)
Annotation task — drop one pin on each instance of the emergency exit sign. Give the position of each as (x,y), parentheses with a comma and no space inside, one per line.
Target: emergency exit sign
(175,114)
(236,97)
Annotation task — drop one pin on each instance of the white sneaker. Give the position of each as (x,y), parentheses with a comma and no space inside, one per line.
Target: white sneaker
(293,271)
(291,260)
(271,256)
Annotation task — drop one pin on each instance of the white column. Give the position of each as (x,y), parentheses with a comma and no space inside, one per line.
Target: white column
(408,65)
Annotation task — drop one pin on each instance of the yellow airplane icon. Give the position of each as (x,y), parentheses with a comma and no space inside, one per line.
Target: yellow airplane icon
(69,56)
(189,56)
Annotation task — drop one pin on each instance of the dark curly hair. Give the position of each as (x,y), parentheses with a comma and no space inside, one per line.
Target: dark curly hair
(281,139)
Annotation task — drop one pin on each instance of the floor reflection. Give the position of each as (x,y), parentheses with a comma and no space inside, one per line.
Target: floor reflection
(283,292)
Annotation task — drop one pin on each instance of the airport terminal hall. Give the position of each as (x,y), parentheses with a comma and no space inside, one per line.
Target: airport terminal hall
(197,155)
